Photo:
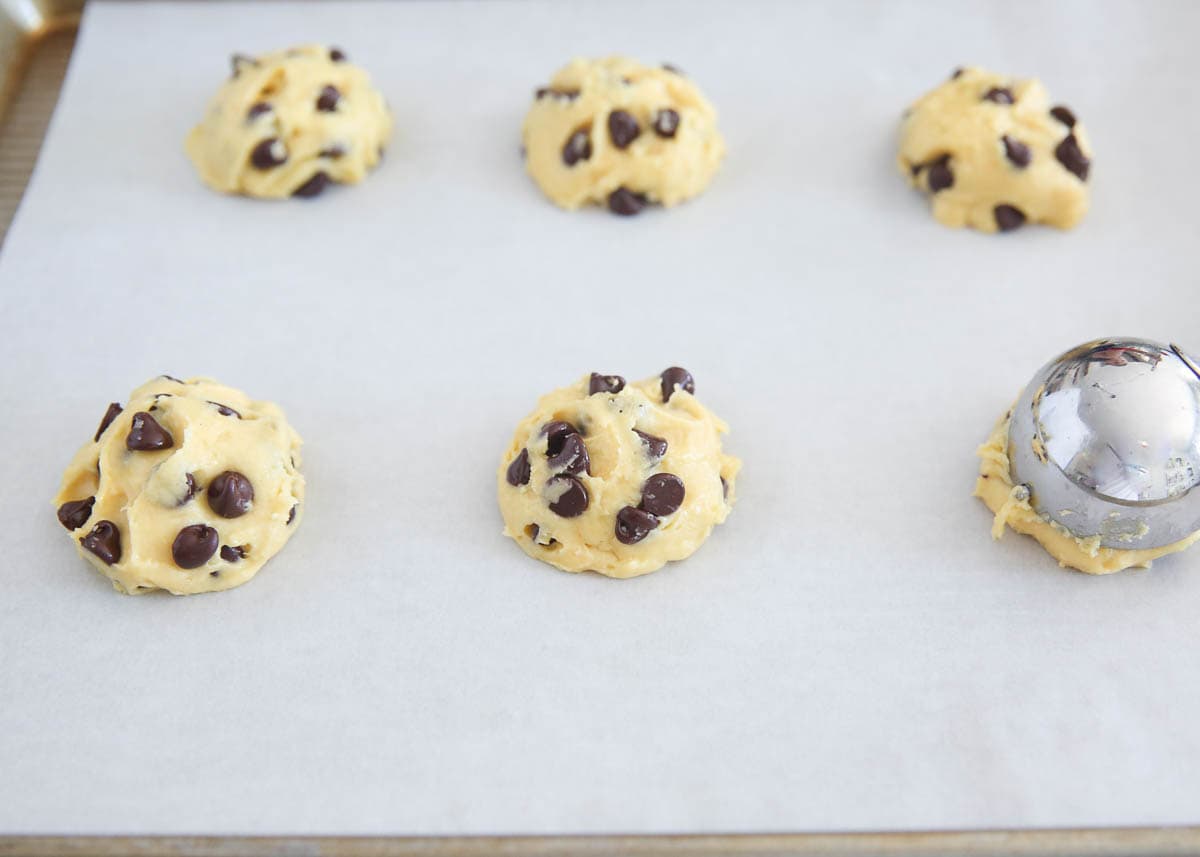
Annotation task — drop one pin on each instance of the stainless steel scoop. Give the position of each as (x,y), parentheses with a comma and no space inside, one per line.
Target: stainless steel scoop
(1107,439)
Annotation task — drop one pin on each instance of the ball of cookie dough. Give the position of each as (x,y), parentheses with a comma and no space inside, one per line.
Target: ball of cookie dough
(621,134)
(290,123)
(994,154)
(617,478)
(190,487)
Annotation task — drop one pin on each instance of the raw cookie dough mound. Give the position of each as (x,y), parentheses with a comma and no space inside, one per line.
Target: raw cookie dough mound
(621,134)
(994,154)
(289,123)
(190,487)
(1010,505)
(617,478)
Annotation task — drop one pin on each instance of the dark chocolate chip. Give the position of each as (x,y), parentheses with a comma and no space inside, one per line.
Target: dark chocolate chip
(999,95)
(292,513)
(74,513)
(662,494)
(666,123)
(605,384)
(230,494)
(190,491)
(672,68)
(194,546)
(240,61)
(332,152)
(146,435)
(623,129)
(225,410)
(327,101)
(572,496)
(1016,151)
(625,202)
(1063,115)
(656,447)
(543,91)
(257,109)
(532,531)
(633,525)
(676,377)
(114,411)
(518,470)
(957,73)
(104,541)
(314,186)
(724,488)
(555,432)
(233,553)
(572,456)
(1008,217)
(940,176)
(337,55)
(577,148)
(1072,157)
(268,153)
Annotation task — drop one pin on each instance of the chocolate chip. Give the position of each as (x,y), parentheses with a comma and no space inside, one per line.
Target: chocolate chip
(230,494)
(633,525)
(940,176)
(656,447)
(314,186)
(333,152)
(571,457)
(240,61)
(1072,157)
(673,69)
(327,101)
(146,435)
(625,202)
(532,531)
(999,95)
(572,496)
(676,377)
(724,488)
(543,91)
(225,410)
(623,129)
(1063,115)
(666,123)
(1016,151)
(662,494)
(577,148)
(104,541)
(957,73)
(518,470)
(74,513)
(233,553)
(257,109)
(337,55)
(555,432)
(268,153)
(605,384)
(1008,217)
(194,546)
(292,513)
(114,411)
(190,491)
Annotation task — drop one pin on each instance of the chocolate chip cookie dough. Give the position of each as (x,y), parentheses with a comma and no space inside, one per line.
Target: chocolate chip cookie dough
(290,123)
(617,478)
(994,154)
(618,133)
(1010,505)
(190,487)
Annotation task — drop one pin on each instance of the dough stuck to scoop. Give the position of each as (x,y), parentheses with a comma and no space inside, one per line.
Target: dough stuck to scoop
(616,478)
(190,487)
(615,132)
(290,123)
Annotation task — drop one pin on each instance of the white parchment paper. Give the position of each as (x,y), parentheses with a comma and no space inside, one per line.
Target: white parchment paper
(850,651)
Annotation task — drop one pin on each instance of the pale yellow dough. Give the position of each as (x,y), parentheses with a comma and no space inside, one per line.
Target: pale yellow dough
(342,143)
(582,95)
(145,493)
(620,465)
(1010,504)
(957,120)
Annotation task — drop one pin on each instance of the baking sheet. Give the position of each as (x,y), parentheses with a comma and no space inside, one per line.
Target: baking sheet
(850,651)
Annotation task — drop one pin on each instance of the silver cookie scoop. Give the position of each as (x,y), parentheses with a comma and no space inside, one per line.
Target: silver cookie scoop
(1106,438)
